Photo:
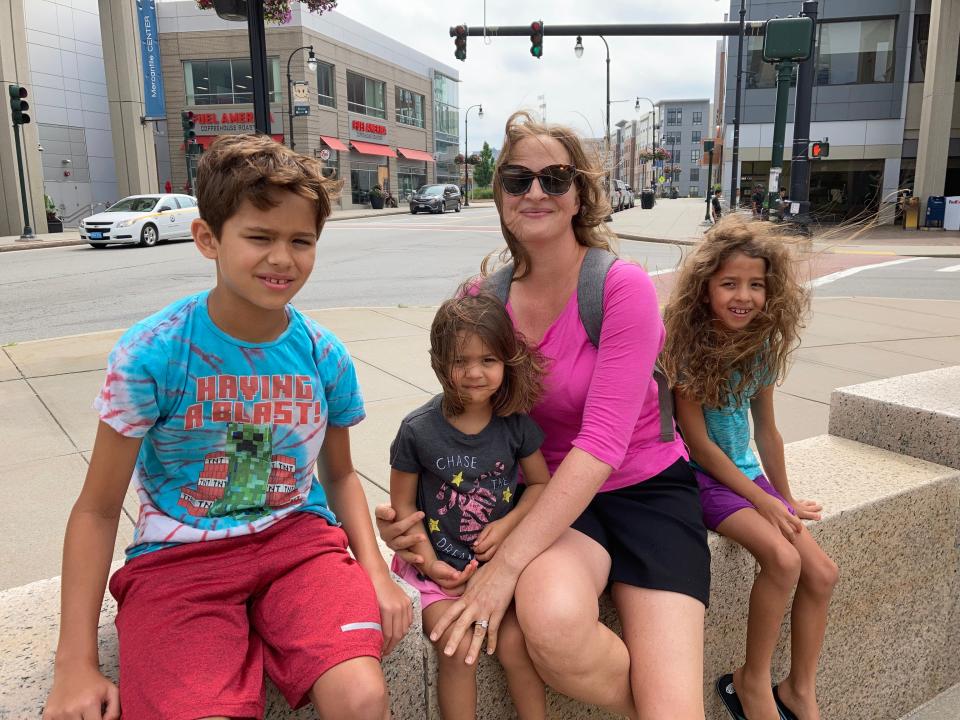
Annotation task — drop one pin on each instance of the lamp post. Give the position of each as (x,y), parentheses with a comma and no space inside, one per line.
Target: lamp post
(312,66)
(466,153)
(578,51)
(735,164)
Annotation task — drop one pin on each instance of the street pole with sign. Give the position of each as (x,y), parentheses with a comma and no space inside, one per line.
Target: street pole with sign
(800,163)
(302,108)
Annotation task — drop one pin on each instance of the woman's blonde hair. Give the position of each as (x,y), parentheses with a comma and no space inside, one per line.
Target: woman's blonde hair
(703,360)
(589,224)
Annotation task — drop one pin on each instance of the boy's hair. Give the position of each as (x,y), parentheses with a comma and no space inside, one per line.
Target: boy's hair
(700,356)
(589,224)
(474,311)
(253,167)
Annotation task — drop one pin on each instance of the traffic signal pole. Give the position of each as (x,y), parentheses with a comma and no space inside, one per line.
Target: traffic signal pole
(258,66)
(27,233)
(800,163)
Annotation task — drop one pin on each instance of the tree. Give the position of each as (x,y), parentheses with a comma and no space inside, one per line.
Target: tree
(278,11)
(483,172)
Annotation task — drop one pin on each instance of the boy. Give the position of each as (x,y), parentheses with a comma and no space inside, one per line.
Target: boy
(220,407)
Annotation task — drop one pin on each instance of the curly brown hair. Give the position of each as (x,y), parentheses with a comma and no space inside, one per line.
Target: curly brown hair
(474,311)
(701,357)
(589,224)
(253,167)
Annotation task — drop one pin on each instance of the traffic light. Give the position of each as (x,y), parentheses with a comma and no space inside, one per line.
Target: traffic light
(536,38)
(189,133)
(460,40)
(19,104)
(819,150)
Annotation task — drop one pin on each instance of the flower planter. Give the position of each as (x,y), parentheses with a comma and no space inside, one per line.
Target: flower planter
(231,9)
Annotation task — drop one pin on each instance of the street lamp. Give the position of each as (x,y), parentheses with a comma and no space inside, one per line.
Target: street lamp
(466,153)
(312,66)
(578,51)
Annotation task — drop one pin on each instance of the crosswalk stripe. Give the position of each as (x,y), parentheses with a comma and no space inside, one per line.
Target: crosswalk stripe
(833,277)
(952,268)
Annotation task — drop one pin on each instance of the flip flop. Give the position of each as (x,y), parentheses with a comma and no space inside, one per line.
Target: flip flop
(785,712)
(728,696)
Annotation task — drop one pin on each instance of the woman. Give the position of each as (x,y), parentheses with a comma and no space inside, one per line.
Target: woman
(622,508)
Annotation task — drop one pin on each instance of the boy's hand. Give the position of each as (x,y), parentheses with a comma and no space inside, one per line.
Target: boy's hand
(807,509)
(82,694)
(776,513)
(396,611)
(448,577)
(490,538)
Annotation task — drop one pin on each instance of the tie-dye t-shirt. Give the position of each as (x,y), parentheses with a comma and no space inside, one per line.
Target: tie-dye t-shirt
(232,430)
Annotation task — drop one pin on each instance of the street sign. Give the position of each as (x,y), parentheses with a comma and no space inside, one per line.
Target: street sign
(789,38)
(661,179)
(324,154)
(301,98)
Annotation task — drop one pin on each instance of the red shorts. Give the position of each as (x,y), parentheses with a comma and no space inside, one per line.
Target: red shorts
(200,623)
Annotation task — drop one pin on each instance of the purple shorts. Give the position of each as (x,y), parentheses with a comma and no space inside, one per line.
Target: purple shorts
(429,591)
(720,502)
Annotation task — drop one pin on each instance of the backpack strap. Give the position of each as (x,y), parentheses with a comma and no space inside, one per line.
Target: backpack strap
(593,275)
(498,282)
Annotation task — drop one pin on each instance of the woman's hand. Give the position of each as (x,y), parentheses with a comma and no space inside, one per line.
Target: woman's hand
(490,538)
(448,577)
(401,535)
(396,610)
(807,509)
(479,610)
(776,513)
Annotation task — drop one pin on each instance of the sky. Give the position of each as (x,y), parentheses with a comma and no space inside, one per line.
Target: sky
(503,76)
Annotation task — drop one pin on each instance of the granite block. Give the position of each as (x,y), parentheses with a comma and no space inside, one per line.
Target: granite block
(917,415)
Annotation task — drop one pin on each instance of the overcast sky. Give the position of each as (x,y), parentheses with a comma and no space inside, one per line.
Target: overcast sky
(503,76)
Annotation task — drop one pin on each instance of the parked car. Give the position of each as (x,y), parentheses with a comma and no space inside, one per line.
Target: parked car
(630,195)
(435,199)
(616,194)
(141,219)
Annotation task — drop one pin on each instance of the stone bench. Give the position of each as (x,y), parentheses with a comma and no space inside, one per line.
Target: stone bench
(891,522)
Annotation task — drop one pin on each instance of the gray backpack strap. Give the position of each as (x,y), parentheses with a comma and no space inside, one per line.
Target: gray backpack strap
(498,282)
(593,274)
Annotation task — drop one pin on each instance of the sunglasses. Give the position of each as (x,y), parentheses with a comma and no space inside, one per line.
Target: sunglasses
(554,179)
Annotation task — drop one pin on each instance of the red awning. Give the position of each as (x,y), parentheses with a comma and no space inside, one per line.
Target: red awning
(416,154)
(333,143)
(373,149)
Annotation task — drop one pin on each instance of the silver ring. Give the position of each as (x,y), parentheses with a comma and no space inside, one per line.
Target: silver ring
(483,624)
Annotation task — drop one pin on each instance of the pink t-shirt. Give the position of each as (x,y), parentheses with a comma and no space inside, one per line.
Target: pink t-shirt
(605,402)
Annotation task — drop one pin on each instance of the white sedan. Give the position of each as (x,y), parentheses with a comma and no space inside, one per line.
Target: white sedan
(141,219)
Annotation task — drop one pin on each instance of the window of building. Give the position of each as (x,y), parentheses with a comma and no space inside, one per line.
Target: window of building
(858,52)
(409,107)
(366,95)
(695,156)
(226,82)
(694,174)
(694,191)
(674,116)
(921,40)
(326,94)
(698,118)
(695,136)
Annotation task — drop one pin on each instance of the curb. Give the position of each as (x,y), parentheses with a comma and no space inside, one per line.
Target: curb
(663,241)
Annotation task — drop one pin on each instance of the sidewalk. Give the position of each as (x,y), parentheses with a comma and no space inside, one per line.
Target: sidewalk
(48,424)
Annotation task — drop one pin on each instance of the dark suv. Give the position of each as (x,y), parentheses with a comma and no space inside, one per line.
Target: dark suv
(435,199)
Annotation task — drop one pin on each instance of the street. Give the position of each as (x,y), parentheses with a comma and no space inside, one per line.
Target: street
(394,261)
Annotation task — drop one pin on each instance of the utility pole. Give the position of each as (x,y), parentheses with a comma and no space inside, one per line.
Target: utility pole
(258,66)
(800,162)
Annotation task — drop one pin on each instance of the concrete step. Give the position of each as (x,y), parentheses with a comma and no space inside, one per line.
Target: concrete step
(945,706)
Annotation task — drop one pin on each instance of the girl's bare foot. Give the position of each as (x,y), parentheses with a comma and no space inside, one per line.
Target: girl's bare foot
(801,703)
(755,695)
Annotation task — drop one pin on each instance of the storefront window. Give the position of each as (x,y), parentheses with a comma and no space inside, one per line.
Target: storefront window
(409,107)
(363,176)
(226,82)
(410,178)
(366,96)
(325,85)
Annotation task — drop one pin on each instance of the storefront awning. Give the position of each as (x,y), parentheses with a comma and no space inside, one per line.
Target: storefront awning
(333,143)
(416,154)
(373,149)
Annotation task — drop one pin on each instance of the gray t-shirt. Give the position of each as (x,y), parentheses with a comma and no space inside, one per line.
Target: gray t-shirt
(466,481)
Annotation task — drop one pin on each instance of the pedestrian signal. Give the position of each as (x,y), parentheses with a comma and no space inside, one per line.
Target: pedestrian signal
(819,150)
(459,33)
(19,104)
(536,38)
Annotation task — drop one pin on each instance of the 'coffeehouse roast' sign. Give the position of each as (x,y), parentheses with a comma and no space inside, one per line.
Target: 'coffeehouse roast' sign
(361,129)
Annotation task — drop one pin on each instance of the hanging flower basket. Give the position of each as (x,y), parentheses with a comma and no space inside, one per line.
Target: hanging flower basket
(274,11)
(458,160)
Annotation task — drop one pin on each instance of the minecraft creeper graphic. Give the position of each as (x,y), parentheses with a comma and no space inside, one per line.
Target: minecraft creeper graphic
(249,449)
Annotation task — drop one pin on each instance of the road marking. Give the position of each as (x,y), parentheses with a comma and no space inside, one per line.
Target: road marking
(653,273)
(833,277)
(952,268)
(863,252)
